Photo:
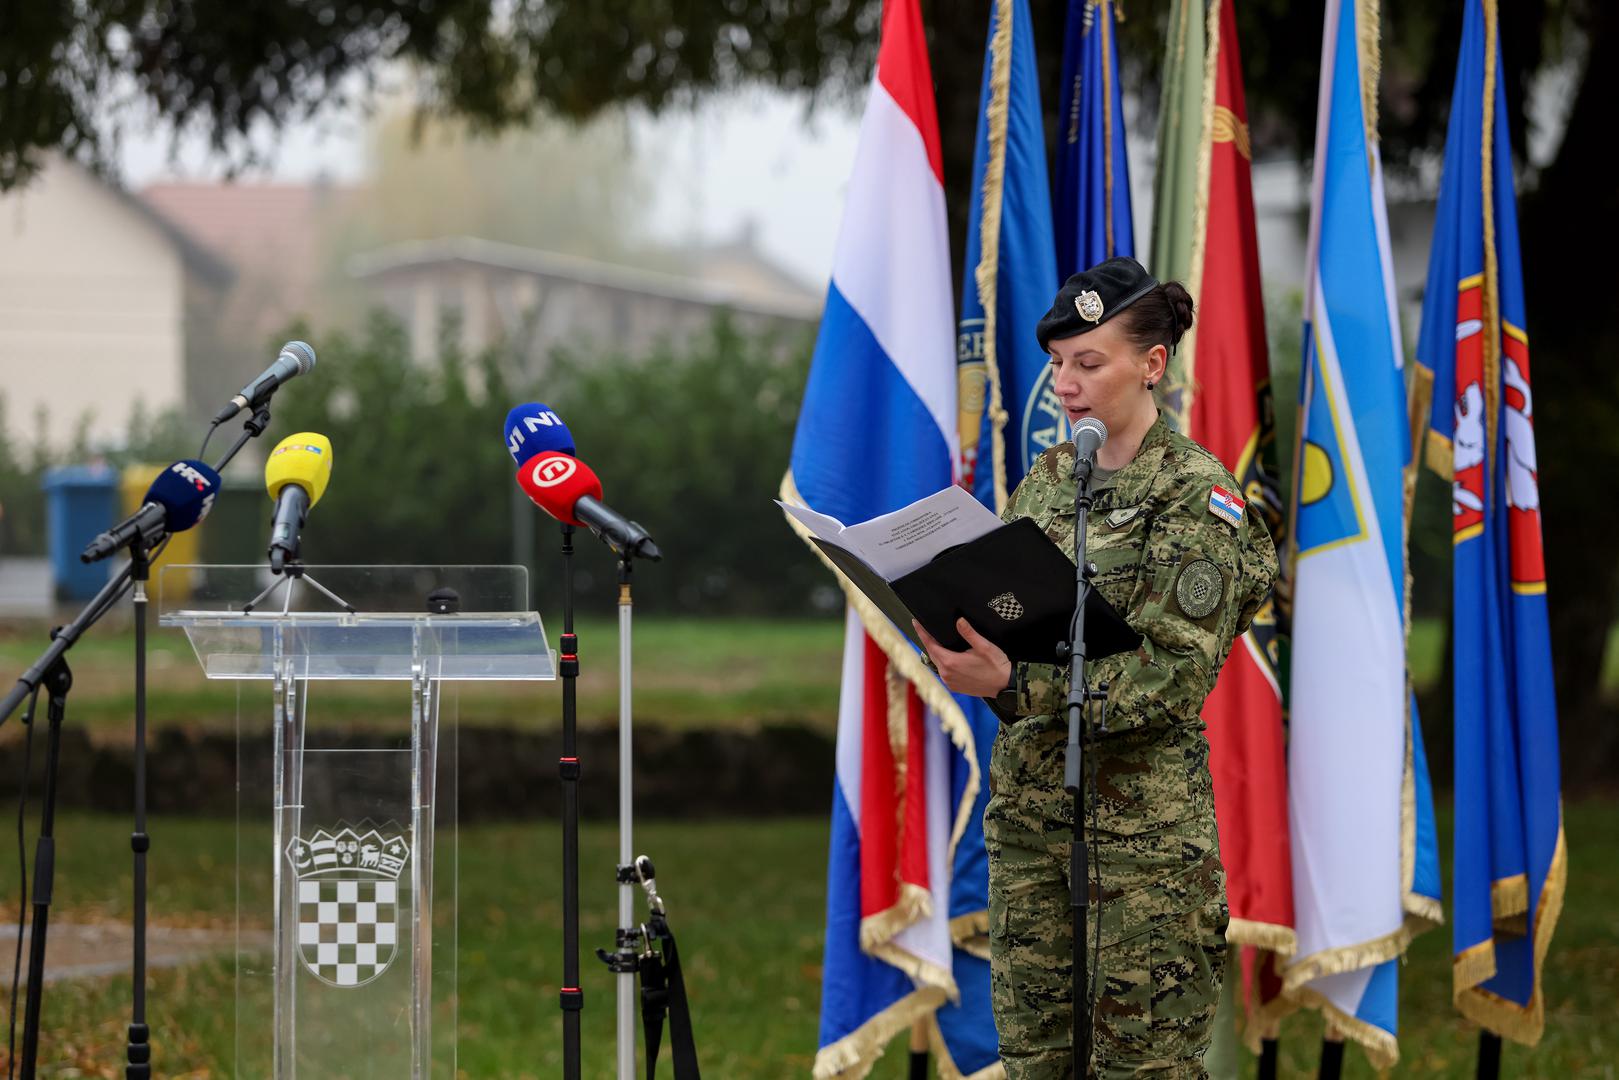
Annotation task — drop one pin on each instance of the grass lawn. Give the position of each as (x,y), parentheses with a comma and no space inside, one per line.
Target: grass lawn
(747,902)
(689,673)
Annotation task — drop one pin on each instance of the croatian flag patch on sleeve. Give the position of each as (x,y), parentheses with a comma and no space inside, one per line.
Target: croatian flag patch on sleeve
(1225,505)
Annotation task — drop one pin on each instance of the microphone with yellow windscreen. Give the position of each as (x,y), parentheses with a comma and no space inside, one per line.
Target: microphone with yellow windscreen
(296,475)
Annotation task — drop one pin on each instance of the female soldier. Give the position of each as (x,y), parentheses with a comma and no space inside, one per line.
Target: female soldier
(1180,557)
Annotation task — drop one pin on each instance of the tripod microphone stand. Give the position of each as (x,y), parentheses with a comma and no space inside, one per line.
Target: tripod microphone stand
(51,672)
(572,997)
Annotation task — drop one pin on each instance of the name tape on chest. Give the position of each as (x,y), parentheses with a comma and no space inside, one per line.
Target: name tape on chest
(1226,506)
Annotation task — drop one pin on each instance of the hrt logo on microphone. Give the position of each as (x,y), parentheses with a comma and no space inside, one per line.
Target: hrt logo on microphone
(515,437)
(553,470)
(187,472)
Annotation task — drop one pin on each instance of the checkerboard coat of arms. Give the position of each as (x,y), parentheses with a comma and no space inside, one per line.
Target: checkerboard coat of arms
(348,901)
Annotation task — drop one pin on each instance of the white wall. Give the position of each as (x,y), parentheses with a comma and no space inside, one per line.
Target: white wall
(90,308)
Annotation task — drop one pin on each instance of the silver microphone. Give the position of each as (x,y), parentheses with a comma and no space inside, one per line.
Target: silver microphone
(296,359)
(1089,435)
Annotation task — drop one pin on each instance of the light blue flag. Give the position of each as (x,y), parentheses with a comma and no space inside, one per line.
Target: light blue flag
(1365,867)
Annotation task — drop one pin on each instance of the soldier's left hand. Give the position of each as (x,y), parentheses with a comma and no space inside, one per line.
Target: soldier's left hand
(982,670)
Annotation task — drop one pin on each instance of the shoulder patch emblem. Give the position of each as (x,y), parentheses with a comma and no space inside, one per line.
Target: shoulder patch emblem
(1198,588)
(1226,506)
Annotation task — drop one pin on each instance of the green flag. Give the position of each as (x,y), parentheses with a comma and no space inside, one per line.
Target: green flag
(1176,186)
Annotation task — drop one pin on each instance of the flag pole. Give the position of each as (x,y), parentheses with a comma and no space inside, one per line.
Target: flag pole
(1489,1055)
(1332,1057)
(1267,1059)
(919,1050)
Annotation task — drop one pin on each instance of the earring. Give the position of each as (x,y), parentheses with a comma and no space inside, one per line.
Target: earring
(1151,384)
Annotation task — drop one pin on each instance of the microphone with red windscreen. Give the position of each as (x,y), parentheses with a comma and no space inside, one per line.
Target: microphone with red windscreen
(569,490)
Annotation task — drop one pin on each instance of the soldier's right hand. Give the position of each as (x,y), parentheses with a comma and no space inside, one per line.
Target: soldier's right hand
(982,669)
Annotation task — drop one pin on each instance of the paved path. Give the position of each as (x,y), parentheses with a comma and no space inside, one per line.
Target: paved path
(87,951)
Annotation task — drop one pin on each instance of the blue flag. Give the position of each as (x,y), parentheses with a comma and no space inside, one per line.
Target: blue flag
(1008,415)
(1510,856)
(1092,207)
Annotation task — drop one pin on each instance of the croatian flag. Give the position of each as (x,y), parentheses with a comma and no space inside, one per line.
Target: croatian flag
(877,431)
(1365,865)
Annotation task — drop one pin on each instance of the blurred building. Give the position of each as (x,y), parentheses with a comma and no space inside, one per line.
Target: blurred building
(536,300)
(103,304)
(1282,219)
(276,238)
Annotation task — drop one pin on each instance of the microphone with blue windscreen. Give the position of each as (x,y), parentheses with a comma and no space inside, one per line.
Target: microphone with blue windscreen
(533,428)
(180,497)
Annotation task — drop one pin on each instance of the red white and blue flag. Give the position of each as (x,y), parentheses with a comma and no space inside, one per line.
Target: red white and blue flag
(878,430)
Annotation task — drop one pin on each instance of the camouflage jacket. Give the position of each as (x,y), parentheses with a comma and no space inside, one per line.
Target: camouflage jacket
(1190,581)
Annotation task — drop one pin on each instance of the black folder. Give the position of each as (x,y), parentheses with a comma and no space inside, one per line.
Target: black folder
(1013,585)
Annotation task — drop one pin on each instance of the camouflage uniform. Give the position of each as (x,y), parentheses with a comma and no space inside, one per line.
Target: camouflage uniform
(1161,553)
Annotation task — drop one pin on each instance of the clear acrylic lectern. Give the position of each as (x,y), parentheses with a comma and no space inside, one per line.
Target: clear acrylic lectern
(346,811)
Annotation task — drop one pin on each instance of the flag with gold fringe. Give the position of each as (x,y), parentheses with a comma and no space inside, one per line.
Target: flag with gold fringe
(1365,862)
(1219,394)
(877,431)
(1510,858)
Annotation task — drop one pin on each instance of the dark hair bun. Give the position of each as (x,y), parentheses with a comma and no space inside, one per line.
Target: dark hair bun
(1182,308)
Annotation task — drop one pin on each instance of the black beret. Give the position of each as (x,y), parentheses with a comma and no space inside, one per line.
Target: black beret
(1092,297)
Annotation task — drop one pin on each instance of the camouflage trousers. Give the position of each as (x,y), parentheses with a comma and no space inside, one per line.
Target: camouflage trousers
(1162,960)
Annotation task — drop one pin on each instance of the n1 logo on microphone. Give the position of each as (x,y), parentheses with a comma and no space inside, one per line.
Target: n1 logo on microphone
(516,437)
(553,470)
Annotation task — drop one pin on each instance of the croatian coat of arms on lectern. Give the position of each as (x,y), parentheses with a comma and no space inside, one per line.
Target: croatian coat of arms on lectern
(348,901)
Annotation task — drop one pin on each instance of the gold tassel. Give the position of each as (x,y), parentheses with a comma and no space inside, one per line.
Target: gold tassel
(1492,269)
(913,905)
(1522,1024)
(996,112)
(852,1057)
(1509,897)
(1382,1049)
(1350,957)
(1271,937)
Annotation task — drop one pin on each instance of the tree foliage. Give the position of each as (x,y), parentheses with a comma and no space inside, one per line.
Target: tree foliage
(223,67)
(690,441)
(693,443)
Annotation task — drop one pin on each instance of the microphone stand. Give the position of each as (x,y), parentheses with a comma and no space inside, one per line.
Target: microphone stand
(572,997)
(58,680)
(139,1052)
(634,944)
(252,428)
(51,671)
(626,961)
(1079,694)
(103,601)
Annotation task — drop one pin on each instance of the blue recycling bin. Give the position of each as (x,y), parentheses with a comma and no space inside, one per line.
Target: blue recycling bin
(80,501)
